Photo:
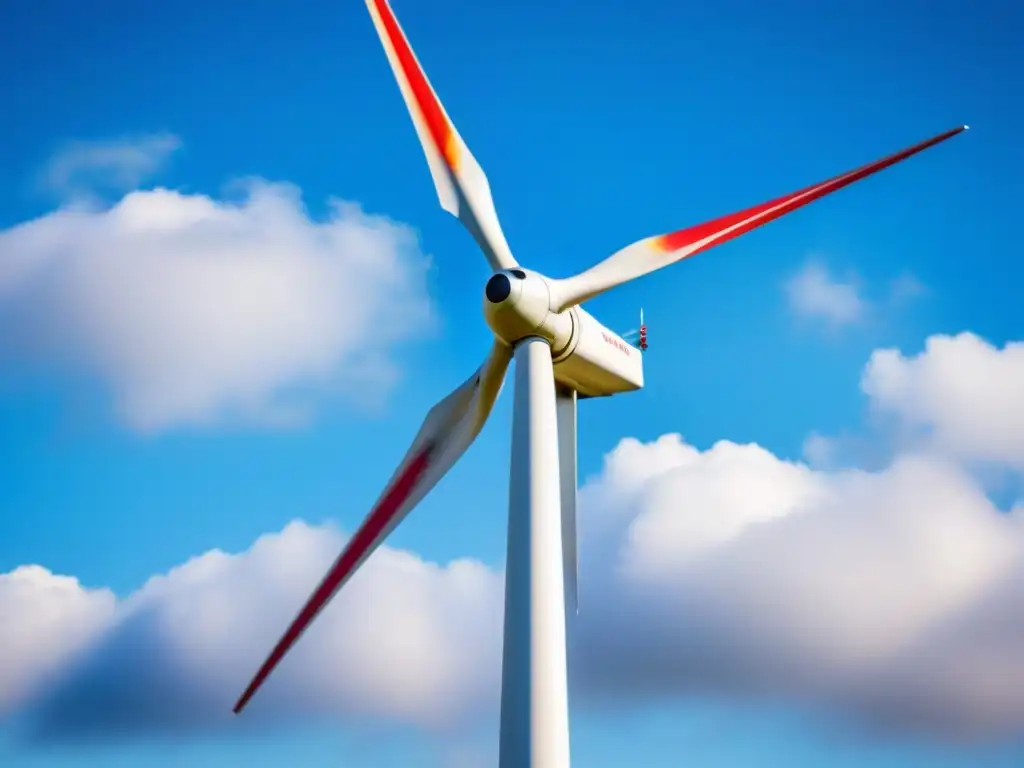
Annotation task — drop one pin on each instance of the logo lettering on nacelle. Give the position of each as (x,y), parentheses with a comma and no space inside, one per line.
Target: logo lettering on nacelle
(619,345)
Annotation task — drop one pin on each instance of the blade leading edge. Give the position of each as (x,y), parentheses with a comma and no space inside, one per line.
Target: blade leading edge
(653,253)
(448,430)
(462,186)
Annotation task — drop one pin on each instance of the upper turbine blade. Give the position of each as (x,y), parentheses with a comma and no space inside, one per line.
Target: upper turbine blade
(461,183)
(653,253)
(449,429)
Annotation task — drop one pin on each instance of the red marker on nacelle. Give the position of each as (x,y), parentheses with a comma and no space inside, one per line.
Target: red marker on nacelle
(640,334)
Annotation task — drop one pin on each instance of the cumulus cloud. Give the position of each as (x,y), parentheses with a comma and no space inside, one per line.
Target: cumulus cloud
(81,167)
(407,641)
(194,310)
(813,293)
(740,573)
(961,393)
(890,595)
(44,620)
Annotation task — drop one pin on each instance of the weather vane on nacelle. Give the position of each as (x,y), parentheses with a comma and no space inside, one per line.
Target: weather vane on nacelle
(639,334)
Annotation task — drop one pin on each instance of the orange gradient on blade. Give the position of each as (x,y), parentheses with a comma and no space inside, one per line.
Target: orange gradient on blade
(719,230)
(426,103)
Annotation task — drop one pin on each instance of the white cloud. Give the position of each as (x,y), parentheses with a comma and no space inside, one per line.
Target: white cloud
(737,572)
(820,451)
(813,293)
(195,310)
(890,595)
(80,167)
(396,644)
(44,619)
(886,594)
(962,393)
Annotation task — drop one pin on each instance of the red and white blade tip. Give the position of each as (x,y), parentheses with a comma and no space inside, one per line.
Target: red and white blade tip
(365,540)
(424,105)
(703,236)
(461,185)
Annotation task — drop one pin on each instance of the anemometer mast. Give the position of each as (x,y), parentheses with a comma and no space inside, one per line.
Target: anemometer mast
(639,335)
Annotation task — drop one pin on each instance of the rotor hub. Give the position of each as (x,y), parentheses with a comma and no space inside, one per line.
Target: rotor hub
(517,305)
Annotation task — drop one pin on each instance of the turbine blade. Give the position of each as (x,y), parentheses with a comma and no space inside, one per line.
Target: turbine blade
(460,181)
(653,253)
(565,409)
(448,430)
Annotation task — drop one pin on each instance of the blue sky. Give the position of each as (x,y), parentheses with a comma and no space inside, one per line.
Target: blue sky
(596,127)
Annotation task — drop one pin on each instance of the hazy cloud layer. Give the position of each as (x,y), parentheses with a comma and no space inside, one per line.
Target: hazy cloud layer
(815,294)
(893,596)
(194,310)
(81,168)
(905,288)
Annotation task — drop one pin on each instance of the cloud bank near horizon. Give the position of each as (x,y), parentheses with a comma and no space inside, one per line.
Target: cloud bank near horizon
(888,595)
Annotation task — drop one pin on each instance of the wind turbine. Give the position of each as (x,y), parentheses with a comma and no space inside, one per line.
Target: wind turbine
(562,354)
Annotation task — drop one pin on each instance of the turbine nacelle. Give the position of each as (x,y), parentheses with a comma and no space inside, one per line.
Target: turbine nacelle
(517,305)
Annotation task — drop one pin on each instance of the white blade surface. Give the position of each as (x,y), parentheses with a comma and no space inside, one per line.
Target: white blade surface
(653,253)
(461,184)
(449,429)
